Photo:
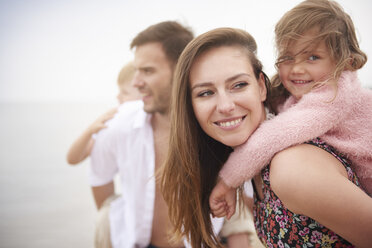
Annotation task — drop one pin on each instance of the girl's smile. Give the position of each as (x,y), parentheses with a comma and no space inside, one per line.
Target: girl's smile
(302,66)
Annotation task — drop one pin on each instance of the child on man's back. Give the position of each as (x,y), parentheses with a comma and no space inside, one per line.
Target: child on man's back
(82,146)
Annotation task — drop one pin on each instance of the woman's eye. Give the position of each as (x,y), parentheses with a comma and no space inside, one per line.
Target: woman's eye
(205,93)
(313,57)
(240,85)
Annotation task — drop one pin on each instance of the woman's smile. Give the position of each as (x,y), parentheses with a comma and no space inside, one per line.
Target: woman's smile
(227,97)
(229,124)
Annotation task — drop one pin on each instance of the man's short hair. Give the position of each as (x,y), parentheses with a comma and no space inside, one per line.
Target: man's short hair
(170,34)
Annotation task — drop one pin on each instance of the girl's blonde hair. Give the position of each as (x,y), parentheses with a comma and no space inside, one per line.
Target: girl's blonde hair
(195,159)
(335,28)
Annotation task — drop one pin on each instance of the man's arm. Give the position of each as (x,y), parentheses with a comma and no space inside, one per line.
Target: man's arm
(101,193)
(103,166)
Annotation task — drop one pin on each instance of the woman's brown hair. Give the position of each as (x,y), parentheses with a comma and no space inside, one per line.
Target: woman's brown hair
(195,159)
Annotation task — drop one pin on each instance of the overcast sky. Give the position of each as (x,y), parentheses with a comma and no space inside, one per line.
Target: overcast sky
(72,50)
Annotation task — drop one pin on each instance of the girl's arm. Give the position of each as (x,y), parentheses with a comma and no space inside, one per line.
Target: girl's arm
(316,113)
(83,145)
(312,182)
(222,200)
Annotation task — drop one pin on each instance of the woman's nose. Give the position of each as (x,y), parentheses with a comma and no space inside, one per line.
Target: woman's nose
(225,104)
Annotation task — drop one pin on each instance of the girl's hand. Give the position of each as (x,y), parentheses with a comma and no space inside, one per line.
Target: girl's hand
(222,200)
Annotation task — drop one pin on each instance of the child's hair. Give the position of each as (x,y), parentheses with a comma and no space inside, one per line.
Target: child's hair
(334,27)
(126,74)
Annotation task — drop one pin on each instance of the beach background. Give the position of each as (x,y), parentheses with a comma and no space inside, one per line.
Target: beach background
(44,202)
(58,68)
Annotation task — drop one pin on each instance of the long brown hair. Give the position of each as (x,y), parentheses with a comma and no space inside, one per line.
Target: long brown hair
(334,26)
(195,159)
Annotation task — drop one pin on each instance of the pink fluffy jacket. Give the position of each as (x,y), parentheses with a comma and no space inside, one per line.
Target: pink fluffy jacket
(341,116)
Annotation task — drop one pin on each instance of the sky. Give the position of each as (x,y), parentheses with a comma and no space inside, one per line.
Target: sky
(73,50)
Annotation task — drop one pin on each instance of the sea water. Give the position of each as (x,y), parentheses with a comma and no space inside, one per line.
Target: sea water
(44,202)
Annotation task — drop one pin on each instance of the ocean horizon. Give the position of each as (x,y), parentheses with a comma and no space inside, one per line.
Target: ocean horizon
(44,201)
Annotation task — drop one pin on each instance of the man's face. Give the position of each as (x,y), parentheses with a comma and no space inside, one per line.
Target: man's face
(153,77)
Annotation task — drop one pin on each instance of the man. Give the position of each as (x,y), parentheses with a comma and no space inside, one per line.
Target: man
(135,145)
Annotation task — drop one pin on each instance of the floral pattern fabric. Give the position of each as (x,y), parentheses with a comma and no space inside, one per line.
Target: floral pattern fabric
(279,227)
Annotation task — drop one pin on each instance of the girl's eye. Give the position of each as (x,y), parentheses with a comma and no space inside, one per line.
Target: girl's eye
(284,60)
(240,85)
(205,93)
(313,57)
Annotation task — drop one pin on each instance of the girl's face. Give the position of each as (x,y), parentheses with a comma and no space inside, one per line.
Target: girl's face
(226,96)
(303,66)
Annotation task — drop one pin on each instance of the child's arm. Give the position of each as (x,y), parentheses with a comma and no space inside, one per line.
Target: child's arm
(83,145)
(222,200)
(315,114)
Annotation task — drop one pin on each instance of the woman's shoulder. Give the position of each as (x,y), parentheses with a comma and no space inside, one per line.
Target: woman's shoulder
(299,171)
(313,181)
(299,159)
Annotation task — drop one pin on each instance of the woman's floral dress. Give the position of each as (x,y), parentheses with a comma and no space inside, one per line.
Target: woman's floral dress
(279,227)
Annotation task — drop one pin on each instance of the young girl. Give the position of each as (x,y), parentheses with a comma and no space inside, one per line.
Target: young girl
(318,58)
(83,145)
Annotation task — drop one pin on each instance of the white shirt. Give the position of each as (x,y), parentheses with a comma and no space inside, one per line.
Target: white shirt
(126,147)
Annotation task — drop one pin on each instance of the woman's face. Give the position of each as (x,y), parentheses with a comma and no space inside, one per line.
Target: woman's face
(226,96)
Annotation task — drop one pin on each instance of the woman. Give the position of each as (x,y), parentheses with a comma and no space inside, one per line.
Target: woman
(191,171)
(218,101)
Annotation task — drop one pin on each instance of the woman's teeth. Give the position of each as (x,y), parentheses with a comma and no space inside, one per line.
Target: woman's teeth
(229,123)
